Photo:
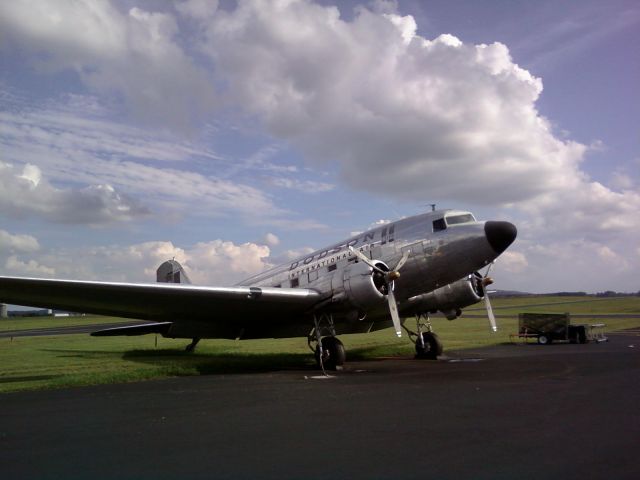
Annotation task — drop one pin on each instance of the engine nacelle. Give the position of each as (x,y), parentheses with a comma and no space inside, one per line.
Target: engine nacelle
(362,287)
(449,299)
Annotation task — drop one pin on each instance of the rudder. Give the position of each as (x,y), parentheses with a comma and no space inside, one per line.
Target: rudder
(171,272)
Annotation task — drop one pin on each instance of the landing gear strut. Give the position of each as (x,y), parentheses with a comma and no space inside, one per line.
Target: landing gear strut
(328,350)
(192,346)
(428,344)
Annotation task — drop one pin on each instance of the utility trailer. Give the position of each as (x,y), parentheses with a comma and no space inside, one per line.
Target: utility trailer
(551,327)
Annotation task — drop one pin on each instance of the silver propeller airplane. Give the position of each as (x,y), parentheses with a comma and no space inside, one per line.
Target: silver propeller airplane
(375,280)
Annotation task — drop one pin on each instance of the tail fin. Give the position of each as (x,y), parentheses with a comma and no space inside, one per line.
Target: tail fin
(171,272)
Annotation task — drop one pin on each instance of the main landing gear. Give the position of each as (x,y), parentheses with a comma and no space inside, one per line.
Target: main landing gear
(328,350)
(428,345)
(192,346)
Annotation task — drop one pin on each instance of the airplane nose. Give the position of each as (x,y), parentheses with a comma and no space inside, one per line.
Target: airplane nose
(500,235)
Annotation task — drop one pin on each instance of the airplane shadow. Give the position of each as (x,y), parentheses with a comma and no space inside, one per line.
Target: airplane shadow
(27,378)
(176,361)
(210,363)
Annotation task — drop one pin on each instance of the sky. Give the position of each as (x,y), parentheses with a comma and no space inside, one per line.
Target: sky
(233,136)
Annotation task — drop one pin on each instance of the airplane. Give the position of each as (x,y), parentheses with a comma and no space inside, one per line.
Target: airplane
(374,280)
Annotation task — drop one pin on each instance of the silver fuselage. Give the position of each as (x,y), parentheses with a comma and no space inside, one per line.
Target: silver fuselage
(436,258)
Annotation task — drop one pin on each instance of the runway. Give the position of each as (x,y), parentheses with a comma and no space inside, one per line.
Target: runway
(520,411)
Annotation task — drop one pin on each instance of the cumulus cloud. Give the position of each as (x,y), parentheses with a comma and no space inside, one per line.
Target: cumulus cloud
(561,265)
(17,243)
(134,53)
(513,261)
(216,262)
(24,192)
(406,116)
(271,240)
(584,208)
(402,115)
(290,255)
(621,180)
(198,9)
(15,266)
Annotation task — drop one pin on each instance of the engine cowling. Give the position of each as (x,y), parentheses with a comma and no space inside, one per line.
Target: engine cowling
(362,287)
(449,299)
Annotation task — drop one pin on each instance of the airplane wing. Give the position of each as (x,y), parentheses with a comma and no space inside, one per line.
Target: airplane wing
(159,302)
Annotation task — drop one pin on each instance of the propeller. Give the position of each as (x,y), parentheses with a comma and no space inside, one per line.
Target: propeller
(486,281)
(388,278)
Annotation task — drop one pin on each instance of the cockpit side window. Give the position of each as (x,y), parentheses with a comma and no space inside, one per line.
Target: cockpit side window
(458,219)
(439,225)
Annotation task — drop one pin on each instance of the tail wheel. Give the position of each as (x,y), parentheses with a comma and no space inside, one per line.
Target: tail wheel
(333,353)
(430,347)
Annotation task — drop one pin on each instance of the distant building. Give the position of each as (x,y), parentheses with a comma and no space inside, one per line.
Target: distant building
(3,311)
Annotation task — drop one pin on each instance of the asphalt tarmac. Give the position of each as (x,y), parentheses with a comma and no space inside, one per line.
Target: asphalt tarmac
(521,411)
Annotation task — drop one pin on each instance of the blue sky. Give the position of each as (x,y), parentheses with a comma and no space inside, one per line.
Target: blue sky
(234,136)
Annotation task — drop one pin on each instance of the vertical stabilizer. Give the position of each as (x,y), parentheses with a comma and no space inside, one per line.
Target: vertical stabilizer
(171,272)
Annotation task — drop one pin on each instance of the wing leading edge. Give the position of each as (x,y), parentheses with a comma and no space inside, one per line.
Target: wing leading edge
(159,302)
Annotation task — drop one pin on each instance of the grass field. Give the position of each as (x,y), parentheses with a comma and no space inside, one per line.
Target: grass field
(73,360)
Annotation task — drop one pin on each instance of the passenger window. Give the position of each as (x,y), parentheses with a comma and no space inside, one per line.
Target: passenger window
(332,267)
(439,225)
(295,282)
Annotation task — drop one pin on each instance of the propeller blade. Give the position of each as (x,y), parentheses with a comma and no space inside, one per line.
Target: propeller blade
(492,318)
(486,274)
(403,260)
(486,281)
(389,276)
(395,316)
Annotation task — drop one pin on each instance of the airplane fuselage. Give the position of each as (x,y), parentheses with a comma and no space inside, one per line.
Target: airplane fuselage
(443,247)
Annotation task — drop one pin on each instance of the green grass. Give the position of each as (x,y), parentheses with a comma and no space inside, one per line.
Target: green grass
(72,360)
(578,305)
(27,323)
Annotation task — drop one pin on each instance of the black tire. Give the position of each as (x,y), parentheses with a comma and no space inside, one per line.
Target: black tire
(334,353)
(582,335)
(432,346)
(544,340)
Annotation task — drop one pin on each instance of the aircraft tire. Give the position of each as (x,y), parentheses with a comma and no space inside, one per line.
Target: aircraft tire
(582,335)
(544,340)
(334,351)
(432,346)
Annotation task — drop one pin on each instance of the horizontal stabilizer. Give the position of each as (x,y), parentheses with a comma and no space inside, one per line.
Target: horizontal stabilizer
(160,327)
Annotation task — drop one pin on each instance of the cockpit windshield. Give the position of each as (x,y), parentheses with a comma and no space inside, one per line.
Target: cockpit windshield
(459,218)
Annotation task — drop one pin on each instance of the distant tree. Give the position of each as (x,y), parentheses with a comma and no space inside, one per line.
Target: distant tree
(608,293)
